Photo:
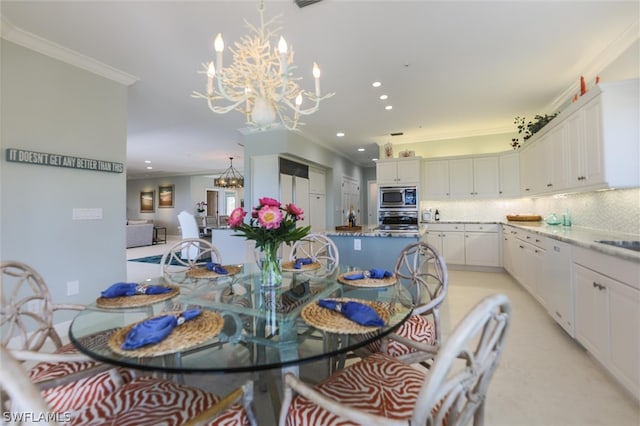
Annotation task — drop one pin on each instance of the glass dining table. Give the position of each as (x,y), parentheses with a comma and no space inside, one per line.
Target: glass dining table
(255,328)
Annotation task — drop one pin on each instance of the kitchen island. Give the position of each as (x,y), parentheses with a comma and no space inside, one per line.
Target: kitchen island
(370,247)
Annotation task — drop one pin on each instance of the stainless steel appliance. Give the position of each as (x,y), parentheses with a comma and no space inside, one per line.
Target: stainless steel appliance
(398,198)
(398,221)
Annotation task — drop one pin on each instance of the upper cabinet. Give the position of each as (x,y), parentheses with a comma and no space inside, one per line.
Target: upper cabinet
(398,171)
(509,175)
(593,144)
(485,176)
(317,182)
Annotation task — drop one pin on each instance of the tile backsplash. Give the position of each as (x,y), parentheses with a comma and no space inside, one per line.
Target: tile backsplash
(616,211)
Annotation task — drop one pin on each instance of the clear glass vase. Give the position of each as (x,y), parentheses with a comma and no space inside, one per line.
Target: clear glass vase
(270,266)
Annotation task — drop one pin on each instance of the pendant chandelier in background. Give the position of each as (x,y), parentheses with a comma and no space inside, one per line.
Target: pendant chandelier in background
(230,178)
(259,82)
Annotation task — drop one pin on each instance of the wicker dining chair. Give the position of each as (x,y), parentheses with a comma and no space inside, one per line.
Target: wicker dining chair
(423,272)
(318,247)
(174,263)
(143,401)
(383,390)
(66,378)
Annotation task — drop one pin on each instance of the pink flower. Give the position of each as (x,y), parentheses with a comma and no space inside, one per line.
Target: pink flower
(294,210)
(270,217)
(266,201)
(254,213)
(237,217)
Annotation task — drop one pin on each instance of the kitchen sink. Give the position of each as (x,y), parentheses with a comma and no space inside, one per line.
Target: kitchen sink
(627,244)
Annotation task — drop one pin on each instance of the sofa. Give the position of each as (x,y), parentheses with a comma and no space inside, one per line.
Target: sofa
(139,232)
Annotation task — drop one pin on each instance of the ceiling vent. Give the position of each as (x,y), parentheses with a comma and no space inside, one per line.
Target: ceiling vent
(304,3)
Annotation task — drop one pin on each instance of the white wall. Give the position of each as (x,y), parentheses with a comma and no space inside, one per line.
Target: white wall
(49,106)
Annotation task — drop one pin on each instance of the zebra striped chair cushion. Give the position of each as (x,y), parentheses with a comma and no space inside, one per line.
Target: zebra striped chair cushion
(416,328)
(154,402)
(378,385)
(75,395)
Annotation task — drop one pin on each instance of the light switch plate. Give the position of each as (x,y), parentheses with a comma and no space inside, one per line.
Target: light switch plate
(357,244)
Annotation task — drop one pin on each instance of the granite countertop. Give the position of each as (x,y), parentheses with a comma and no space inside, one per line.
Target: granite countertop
(575,235)
(373,231)
(583,237)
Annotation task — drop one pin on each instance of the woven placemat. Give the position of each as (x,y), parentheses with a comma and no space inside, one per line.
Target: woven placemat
(288,266)
(367,282)
(137,300)
(191,333)
(334,322)
(205,273)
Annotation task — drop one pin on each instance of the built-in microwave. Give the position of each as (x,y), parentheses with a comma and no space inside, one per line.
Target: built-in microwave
(398,197)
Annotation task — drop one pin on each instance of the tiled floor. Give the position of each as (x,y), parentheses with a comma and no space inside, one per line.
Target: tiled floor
(544,379)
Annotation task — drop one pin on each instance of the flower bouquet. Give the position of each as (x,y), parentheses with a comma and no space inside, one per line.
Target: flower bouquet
(270,225)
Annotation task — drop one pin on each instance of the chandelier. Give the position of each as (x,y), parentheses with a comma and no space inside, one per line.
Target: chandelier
(259,83)
(231,178)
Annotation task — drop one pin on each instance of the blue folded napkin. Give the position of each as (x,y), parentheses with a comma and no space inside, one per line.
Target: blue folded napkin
(357,312)
(379,273)
(132,289)
(154,330)
(302,261)
(217,268)
(376,273)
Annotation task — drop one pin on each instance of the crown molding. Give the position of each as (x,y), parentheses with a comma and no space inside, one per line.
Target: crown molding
(31,41)
(629,36)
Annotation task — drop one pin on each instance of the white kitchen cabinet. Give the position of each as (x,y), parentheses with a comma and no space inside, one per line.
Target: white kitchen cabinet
(509,175)
(593,144)
(592,311)
(507,250)
(528,262)
(607,313)
(448,240)
(530,163)
(295,189)
(317,212)
(554,152)
(558,283)
(474,177)
(317,182)
(481,245)
(436,179)
(398,171)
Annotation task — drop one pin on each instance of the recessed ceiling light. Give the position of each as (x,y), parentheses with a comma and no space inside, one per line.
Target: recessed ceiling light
(147,161)
(384,97)
(376,84)
(388,107)
(149,167)
(360,149)
(340,134)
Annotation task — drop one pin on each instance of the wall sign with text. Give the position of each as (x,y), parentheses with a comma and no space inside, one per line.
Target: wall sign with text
(58,160)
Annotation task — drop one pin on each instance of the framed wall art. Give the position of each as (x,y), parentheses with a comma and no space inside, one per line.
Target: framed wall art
(165,196)
(147,201)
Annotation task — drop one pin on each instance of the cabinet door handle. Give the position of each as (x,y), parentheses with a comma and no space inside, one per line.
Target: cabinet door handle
(598,286)
(522,247)
(549,185)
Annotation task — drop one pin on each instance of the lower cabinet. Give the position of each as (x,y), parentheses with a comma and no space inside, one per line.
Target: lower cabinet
(481,245)
(466,244)
(607,313)
(448,240)
(558,283)
(594,297)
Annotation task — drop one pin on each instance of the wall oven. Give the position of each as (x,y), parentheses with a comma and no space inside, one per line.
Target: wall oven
(398,221)
(398,197)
